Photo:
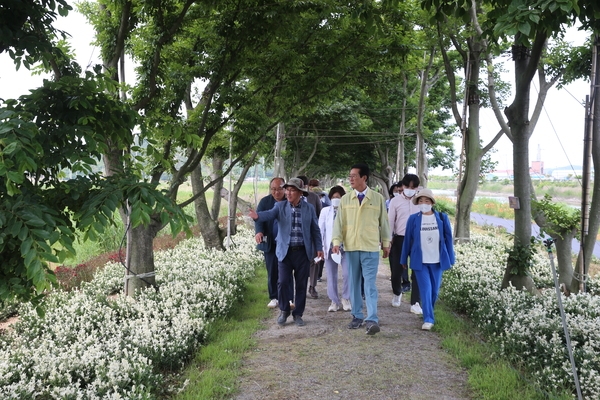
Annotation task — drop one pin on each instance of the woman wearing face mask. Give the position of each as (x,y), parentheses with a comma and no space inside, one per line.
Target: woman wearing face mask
(428,243)
(395,190)
(326,219)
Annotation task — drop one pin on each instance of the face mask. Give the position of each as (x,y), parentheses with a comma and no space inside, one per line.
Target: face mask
(425,208)
(396,194)
(409,192)
(336,202)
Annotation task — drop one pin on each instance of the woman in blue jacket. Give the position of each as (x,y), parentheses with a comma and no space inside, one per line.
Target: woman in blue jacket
(428,243)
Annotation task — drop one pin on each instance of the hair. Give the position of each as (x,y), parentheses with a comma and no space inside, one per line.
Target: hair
(394,186)
(277,177)
(314,182)
(363,169)
(304,179)
(336,189)
(408,178)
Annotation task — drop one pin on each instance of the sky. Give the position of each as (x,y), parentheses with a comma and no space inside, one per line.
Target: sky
(557,138)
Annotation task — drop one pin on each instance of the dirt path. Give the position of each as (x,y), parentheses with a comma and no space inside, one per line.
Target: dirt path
(326,360)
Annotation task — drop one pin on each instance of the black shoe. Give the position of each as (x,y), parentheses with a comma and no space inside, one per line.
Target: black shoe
(298,320)
(372,328)
(283,316)
(355,324)
(405,288)
(313,293)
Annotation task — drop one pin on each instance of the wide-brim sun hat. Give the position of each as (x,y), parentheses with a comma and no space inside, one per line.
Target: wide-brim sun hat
(296,183)
(423,193)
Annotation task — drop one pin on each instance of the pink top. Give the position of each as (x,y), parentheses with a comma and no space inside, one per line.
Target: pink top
(400,209)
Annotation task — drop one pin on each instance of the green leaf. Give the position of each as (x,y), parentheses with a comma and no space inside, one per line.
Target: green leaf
(525,28)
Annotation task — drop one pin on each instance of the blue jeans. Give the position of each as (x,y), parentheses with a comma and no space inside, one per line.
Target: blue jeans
(430,280)
(363,264)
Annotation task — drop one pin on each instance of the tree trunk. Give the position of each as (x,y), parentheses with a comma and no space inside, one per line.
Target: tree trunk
(242,205)
(421,151)
(279,165)
(473,151)
(209,229)
(140,257)
(235,191)
(217,170)
(594,213)
(468,189)
(564,254)
(519,127)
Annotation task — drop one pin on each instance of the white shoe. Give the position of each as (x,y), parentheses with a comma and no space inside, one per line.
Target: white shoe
(416,309)
(273,303)
(346,305)
(333,307)
(427,326)
(396,301)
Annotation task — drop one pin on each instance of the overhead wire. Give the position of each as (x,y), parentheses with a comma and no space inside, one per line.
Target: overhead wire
(558,138)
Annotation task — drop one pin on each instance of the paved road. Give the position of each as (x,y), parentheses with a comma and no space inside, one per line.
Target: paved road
(482,219)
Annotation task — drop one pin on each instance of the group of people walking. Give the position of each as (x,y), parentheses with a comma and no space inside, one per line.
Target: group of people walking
(297,235)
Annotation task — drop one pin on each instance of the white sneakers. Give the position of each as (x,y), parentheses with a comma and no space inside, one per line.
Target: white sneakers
(427,326)
(416,309)
(346,305)
(396,301)
(273,303)
(333,307)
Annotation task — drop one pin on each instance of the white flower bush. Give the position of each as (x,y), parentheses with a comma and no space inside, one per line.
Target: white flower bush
(527,329)
(88,346)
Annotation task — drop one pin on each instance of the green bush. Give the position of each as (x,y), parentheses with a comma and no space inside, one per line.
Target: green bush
(445,205)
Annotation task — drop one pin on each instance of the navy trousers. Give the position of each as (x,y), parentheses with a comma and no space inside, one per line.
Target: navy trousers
(297,265)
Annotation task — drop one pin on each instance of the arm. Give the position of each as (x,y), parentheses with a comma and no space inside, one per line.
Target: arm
(336,236)
(323,225)
(384,226)
(260,227)
(408,238)
(448,238)
(316,233)
(392,216)
(267,215)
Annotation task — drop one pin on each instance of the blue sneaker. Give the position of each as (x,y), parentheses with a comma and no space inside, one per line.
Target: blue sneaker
(283,316)
(372,327)
(355,324)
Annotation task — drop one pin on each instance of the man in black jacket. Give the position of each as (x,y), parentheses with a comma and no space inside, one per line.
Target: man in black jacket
(265,237)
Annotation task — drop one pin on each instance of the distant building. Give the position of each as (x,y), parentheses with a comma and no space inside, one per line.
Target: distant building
(537,168)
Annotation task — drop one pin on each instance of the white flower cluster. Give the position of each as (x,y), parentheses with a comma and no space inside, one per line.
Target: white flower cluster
(527,328)
(87,346)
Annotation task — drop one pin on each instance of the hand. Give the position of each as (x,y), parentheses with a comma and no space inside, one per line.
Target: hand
(258,237)
(404,266)
(386,252)
(335,249)
(320,254)
(252,214)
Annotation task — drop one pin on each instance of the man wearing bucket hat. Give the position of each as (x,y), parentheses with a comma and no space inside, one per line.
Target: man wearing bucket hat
(428,243)
(298,242)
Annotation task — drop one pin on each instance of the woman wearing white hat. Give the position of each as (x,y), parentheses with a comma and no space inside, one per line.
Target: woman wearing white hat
(428,243)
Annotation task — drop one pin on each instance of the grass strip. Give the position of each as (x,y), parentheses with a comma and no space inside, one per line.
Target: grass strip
(490,377)
(214,372)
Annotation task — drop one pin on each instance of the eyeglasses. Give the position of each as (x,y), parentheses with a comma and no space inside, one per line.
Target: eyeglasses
(353,176)
(276,189)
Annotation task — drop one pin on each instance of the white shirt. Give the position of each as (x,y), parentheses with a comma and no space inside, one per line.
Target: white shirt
(430,239)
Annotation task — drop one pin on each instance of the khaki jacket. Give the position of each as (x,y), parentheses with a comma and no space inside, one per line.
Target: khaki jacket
(362,227)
